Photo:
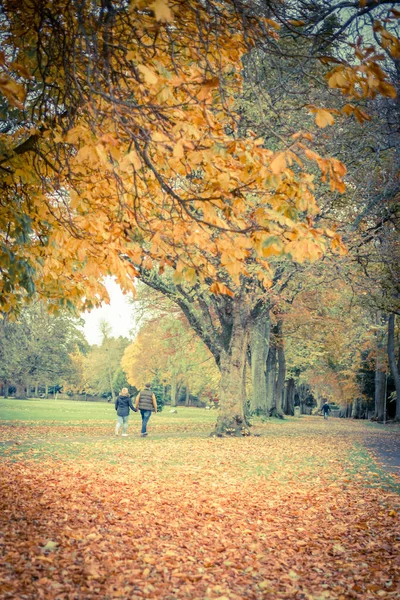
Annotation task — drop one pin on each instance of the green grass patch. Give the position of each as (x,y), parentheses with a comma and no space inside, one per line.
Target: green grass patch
(362,468)
(70,411)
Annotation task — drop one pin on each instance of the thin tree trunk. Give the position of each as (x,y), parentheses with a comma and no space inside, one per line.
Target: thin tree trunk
(173,389)
(110,381)
(289,397)
(357,408)
(232,397)
(187,403)
(392,362)
(6,386)
(379,396)
(46,390)
(259,341)
(380,377)
(280,381)
(270,377)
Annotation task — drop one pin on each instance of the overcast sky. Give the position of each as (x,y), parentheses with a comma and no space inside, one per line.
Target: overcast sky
(118,314)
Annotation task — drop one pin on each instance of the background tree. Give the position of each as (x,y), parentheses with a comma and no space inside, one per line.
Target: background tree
(35,349)
(167,350)
(102,365)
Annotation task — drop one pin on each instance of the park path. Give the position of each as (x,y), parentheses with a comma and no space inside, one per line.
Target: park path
(383,444)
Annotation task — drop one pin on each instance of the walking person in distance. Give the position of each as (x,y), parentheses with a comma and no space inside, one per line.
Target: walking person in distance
(146,402)
(123,404)
(325,409)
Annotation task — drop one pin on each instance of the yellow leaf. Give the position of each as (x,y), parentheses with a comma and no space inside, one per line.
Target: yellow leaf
(130,159)
(207,87)
(278,164)
(323,118)
(150,76)
(220,289)
(273,24)
(336,78)
(162,11)
(386,89)
(272,246)
(21,70)
(178,150)
(50,546)
(190,275)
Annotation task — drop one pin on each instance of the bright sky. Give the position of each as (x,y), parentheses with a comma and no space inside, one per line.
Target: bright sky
(119,314)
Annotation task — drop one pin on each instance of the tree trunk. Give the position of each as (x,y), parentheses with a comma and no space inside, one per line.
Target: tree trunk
(36,390)
(232,395)
(259,341)
(357,408)
(174,389)
(187,399)
(288,407)
(20,391)
(280,381)
(270,377)
(392,362)
(6,386)
(46,390)
(111,382)
(380,377)
(379,396)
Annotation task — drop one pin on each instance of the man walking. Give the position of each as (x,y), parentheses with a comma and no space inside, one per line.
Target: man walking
(325,409)
(122,405)
(146,402)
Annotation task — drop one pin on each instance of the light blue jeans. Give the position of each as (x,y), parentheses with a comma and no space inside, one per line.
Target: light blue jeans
(122,421)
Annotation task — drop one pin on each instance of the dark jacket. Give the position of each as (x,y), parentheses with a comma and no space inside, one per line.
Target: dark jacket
(122,406)
(146,399)
(326,408)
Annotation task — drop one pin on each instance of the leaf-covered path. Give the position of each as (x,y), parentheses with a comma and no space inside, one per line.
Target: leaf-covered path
(300,512)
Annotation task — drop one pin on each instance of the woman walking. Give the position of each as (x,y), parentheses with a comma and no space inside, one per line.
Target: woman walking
(146,402)
(122,405)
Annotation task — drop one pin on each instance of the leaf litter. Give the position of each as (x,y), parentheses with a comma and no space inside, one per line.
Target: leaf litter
(291,514)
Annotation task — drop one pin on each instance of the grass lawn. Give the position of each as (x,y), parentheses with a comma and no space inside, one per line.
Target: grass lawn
(299,512)
(71,412)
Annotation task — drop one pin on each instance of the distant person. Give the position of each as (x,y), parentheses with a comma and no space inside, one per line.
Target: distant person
(123,404)
(326,409)
(146,402)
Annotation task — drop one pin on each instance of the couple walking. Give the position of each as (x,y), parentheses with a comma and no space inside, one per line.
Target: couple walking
(145,401)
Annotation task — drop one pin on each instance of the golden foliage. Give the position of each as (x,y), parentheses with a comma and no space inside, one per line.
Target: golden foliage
(141,162)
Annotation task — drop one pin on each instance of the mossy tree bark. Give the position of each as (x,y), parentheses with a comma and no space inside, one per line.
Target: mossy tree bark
(231,419)
(288,403)
(270,376)
(380,374)
(259,343)
(392,362)
(280,380)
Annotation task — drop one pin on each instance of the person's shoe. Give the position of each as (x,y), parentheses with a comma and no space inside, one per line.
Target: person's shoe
(124,435)
(116,434)
(144,434)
